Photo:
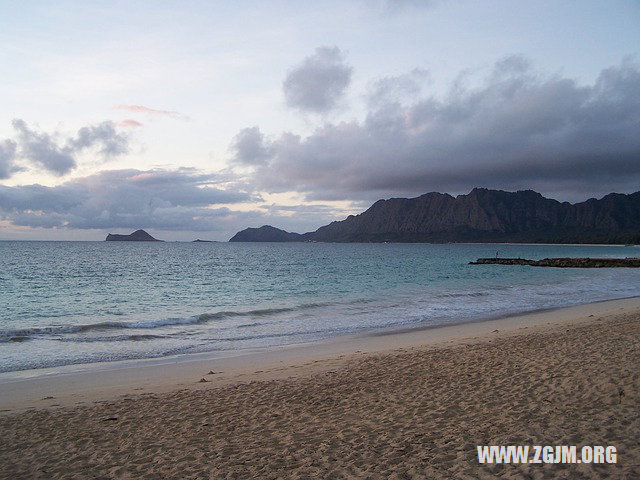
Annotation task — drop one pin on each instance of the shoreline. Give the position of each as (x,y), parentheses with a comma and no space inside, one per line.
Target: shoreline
(88,383)
(215,355)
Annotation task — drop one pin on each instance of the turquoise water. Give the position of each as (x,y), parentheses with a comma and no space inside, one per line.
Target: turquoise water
(82,302)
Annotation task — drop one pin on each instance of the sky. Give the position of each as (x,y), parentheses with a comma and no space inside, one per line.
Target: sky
(197,119)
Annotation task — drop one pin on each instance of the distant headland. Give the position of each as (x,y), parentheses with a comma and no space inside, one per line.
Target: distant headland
(481,216)
(137,236)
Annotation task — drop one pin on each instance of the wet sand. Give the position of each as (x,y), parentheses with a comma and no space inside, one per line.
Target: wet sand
(407,405)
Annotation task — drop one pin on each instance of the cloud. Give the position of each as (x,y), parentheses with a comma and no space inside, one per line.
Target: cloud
(183,200)
(124,199)
(59,157)
(396,6)
(130,123)
(319,82)
(148,111)
(7,158)
(249,147)
(42,149)
(514,129)
(110,142)
(397,89)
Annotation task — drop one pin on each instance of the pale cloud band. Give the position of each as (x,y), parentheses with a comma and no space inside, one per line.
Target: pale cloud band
(130,123)
(179,200)
(149,111)
(182,199)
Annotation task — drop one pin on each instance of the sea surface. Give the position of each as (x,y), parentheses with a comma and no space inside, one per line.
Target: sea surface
(67,303)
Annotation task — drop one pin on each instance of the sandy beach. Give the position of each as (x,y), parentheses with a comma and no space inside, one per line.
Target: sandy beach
(412,404)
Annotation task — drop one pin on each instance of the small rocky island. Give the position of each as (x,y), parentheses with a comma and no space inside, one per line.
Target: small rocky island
(137,236)
(563,262)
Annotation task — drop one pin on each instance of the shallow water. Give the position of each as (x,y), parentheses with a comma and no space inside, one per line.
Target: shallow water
(81,302)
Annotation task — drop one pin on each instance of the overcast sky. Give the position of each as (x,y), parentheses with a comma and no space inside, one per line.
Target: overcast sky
(198,119)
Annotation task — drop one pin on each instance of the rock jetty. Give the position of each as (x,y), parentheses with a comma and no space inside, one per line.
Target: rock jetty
(563,262)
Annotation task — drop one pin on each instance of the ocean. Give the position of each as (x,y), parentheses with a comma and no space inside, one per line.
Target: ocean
(64,303)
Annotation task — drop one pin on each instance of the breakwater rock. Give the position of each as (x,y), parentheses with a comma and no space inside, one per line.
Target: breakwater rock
(563,262)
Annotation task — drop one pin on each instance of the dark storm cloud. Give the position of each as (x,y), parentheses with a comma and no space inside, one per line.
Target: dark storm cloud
(46,151)
(162,199)
(516,130)
(7,159)
(319,82)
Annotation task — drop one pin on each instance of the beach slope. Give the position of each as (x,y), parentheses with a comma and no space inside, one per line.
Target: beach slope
(416,411)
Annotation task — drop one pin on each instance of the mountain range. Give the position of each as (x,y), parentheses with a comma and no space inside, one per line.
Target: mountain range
(483,215)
